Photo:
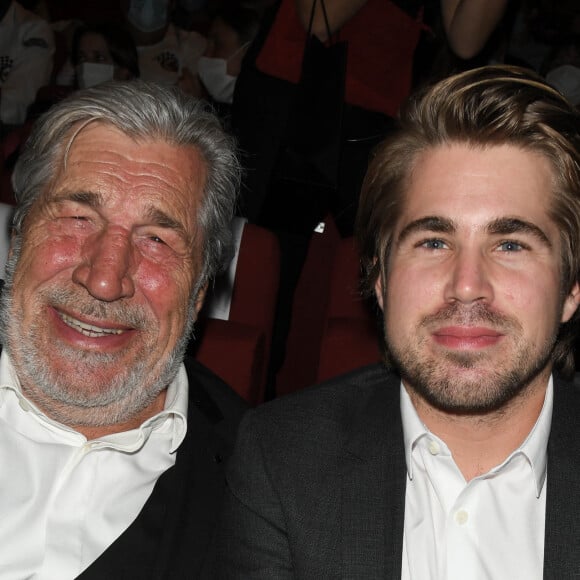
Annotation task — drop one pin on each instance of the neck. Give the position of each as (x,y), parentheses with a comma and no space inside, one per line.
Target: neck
(78,421)
(479,442)
(147,38)
(91,432)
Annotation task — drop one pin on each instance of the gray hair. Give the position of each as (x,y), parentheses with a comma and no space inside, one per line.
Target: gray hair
(140,110)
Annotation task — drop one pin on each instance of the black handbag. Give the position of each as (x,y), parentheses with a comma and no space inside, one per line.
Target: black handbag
(310,152)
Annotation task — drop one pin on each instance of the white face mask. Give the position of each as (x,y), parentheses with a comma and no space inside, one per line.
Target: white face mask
(148,15)
(566,79)
(90,74)
(213,73)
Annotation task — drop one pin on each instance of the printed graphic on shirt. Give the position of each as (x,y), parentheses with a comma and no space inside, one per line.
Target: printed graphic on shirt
(39,42)
(168,61)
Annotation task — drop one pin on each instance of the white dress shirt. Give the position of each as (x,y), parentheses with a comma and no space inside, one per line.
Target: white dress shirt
(64,499)
(491,528)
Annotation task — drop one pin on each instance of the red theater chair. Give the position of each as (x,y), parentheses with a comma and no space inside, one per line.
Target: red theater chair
(333,328)
(350,337)
(234,338)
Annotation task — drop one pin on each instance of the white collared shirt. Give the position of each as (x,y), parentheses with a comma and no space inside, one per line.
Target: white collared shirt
(63,499)
(488,529)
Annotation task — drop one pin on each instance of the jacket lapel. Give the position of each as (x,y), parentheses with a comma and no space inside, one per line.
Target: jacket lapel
(373,489)
(170,535)
(374,483)
(562,536)
(193,496)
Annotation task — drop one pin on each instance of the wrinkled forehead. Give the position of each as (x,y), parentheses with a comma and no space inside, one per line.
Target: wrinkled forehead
(99,159)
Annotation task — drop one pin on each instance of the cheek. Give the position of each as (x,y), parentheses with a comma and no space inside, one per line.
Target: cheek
(42,261)
(166,290)
(408,295)
(416,288)
(234,66)
(536,297)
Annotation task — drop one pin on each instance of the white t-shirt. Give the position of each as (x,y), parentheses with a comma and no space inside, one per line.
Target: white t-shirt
(163,62)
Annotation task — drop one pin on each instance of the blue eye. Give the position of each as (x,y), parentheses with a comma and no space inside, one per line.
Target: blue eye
(434,244)
(510,246)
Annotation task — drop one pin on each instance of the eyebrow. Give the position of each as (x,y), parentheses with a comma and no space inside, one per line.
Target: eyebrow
(427,224)
(500,226)
(506,226)
(95,200)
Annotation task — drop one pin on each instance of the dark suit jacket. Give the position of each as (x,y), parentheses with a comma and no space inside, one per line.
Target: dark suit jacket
(317,485)
(173,534)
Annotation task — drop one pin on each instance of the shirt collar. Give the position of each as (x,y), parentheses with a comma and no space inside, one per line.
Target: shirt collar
(534,448)
(173,416)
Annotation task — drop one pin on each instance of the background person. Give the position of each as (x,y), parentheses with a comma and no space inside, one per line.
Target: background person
(26,53)
(103,52)
(164,49)
(230,33)
(99,52)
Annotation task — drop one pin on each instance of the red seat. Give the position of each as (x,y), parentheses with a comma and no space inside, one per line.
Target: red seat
(237,349)
(350,336)
(309,307)
(333,329)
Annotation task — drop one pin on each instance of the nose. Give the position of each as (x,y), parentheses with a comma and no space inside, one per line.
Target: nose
(106,267)
(469,278)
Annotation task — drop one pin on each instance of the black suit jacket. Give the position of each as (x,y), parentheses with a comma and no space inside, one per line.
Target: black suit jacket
(317,485)
(172,537)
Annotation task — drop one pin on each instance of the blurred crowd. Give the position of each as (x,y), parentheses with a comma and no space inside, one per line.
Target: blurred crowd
(246,57)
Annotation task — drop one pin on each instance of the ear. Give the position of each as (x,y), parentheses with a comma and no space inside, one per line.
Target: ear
(379,291)
(571,303)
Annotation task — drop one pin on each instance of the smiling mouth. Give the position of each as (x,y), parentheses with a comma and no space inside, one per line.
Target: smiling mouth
(88,329)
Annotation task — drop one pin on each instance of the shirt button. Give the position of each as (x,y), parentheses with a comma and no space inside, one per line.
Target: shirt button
(461,517)
(433,447)
(87,447)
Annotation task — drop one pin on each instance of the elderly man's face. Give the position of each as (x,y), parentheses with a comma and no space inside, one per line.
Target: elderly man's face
(473,299)
(101,293)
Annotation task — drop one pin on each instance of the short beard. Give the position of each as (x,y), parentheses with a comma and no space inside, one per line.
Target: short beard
(126,395)
(435,381)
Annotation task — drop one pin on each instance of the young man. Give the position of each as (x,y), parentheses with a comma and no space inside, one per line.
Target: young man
(460,462)
(112,447)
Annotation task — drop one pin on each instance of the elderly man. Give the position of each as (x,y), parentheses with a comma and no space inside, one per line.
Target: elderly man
(111,446)
(463,463)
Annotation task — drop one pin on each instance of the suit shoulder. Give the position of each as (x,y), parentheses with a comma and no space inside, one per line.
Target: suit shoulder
(362,381)
(333,401)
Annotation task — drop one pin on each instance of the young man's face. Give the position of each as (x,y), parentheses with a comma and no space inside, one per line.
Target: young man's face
(101,296)
(474,298)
